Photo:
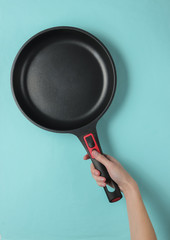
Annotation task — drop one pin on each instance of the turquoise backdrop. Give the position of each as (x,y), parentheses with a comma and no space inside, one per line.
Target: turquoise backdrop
(46,189)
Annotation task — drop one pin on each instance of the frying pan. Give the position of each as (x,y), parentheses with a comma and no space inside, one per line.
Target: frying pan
(63,79)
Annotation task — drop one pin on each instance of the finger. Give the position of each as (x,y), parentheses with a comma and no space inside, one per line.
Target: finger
(101,184)
(99,179)
(86,157)
(101,158)
(94,171)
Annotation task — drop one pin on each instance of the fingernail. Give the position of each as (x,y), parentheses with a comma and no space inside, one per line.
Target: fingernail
(95,153)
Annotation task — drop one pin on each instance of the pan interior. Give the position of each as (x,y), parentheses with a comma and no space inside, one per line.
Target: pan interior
(63,79)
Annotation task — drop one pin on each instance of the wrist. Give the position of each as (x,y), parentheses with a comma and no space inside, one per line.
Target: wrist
(130,189)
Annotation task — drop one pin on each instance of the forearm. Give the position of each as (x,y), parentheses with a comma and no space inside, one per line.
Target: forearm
(140,225)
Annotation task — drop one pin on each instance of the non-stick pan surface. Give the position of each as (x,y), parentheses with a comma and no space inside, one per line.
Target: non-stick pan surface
(63,80)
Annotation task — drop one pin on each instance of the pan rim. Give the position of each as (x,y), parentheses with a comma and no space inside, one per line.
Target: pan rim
(94,121)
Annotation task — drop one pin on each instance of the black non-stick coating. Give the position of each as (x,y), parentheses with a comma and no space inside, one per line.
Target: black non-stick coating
(63,78)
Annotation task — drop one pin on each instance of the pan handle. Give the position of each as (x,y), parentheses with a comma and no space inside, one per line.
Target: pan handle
(91,142)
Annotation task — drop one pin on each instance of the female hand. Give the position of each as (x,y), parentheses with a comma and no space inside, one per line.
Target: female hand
(115,170)
(140,225)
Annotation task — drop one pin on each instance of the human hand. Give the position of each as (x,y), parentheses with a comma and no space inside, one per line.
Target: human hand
(115,170)
(139,222)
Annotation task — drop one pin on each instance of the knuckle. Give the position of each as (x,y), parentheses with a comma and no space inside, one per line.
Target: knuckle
(98,179)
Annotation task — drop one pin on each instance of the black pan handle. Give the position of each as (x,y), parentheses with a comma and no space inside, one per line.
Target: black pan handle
(91,142)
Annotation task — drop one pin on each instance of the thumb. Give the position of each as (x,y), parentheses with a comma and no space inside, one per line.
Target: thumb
(101,158)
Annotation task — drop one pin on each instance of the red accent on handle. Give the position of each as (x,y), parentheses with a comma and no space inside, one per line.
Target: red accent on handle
(116,199)
(95,146)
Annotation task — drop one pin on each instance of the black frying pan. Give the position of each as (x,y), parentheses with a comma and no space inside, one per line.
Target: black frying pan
(63,80)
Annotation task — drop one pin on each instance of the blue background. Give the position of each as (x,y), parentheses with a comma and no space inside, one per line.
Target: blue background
(46,189)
